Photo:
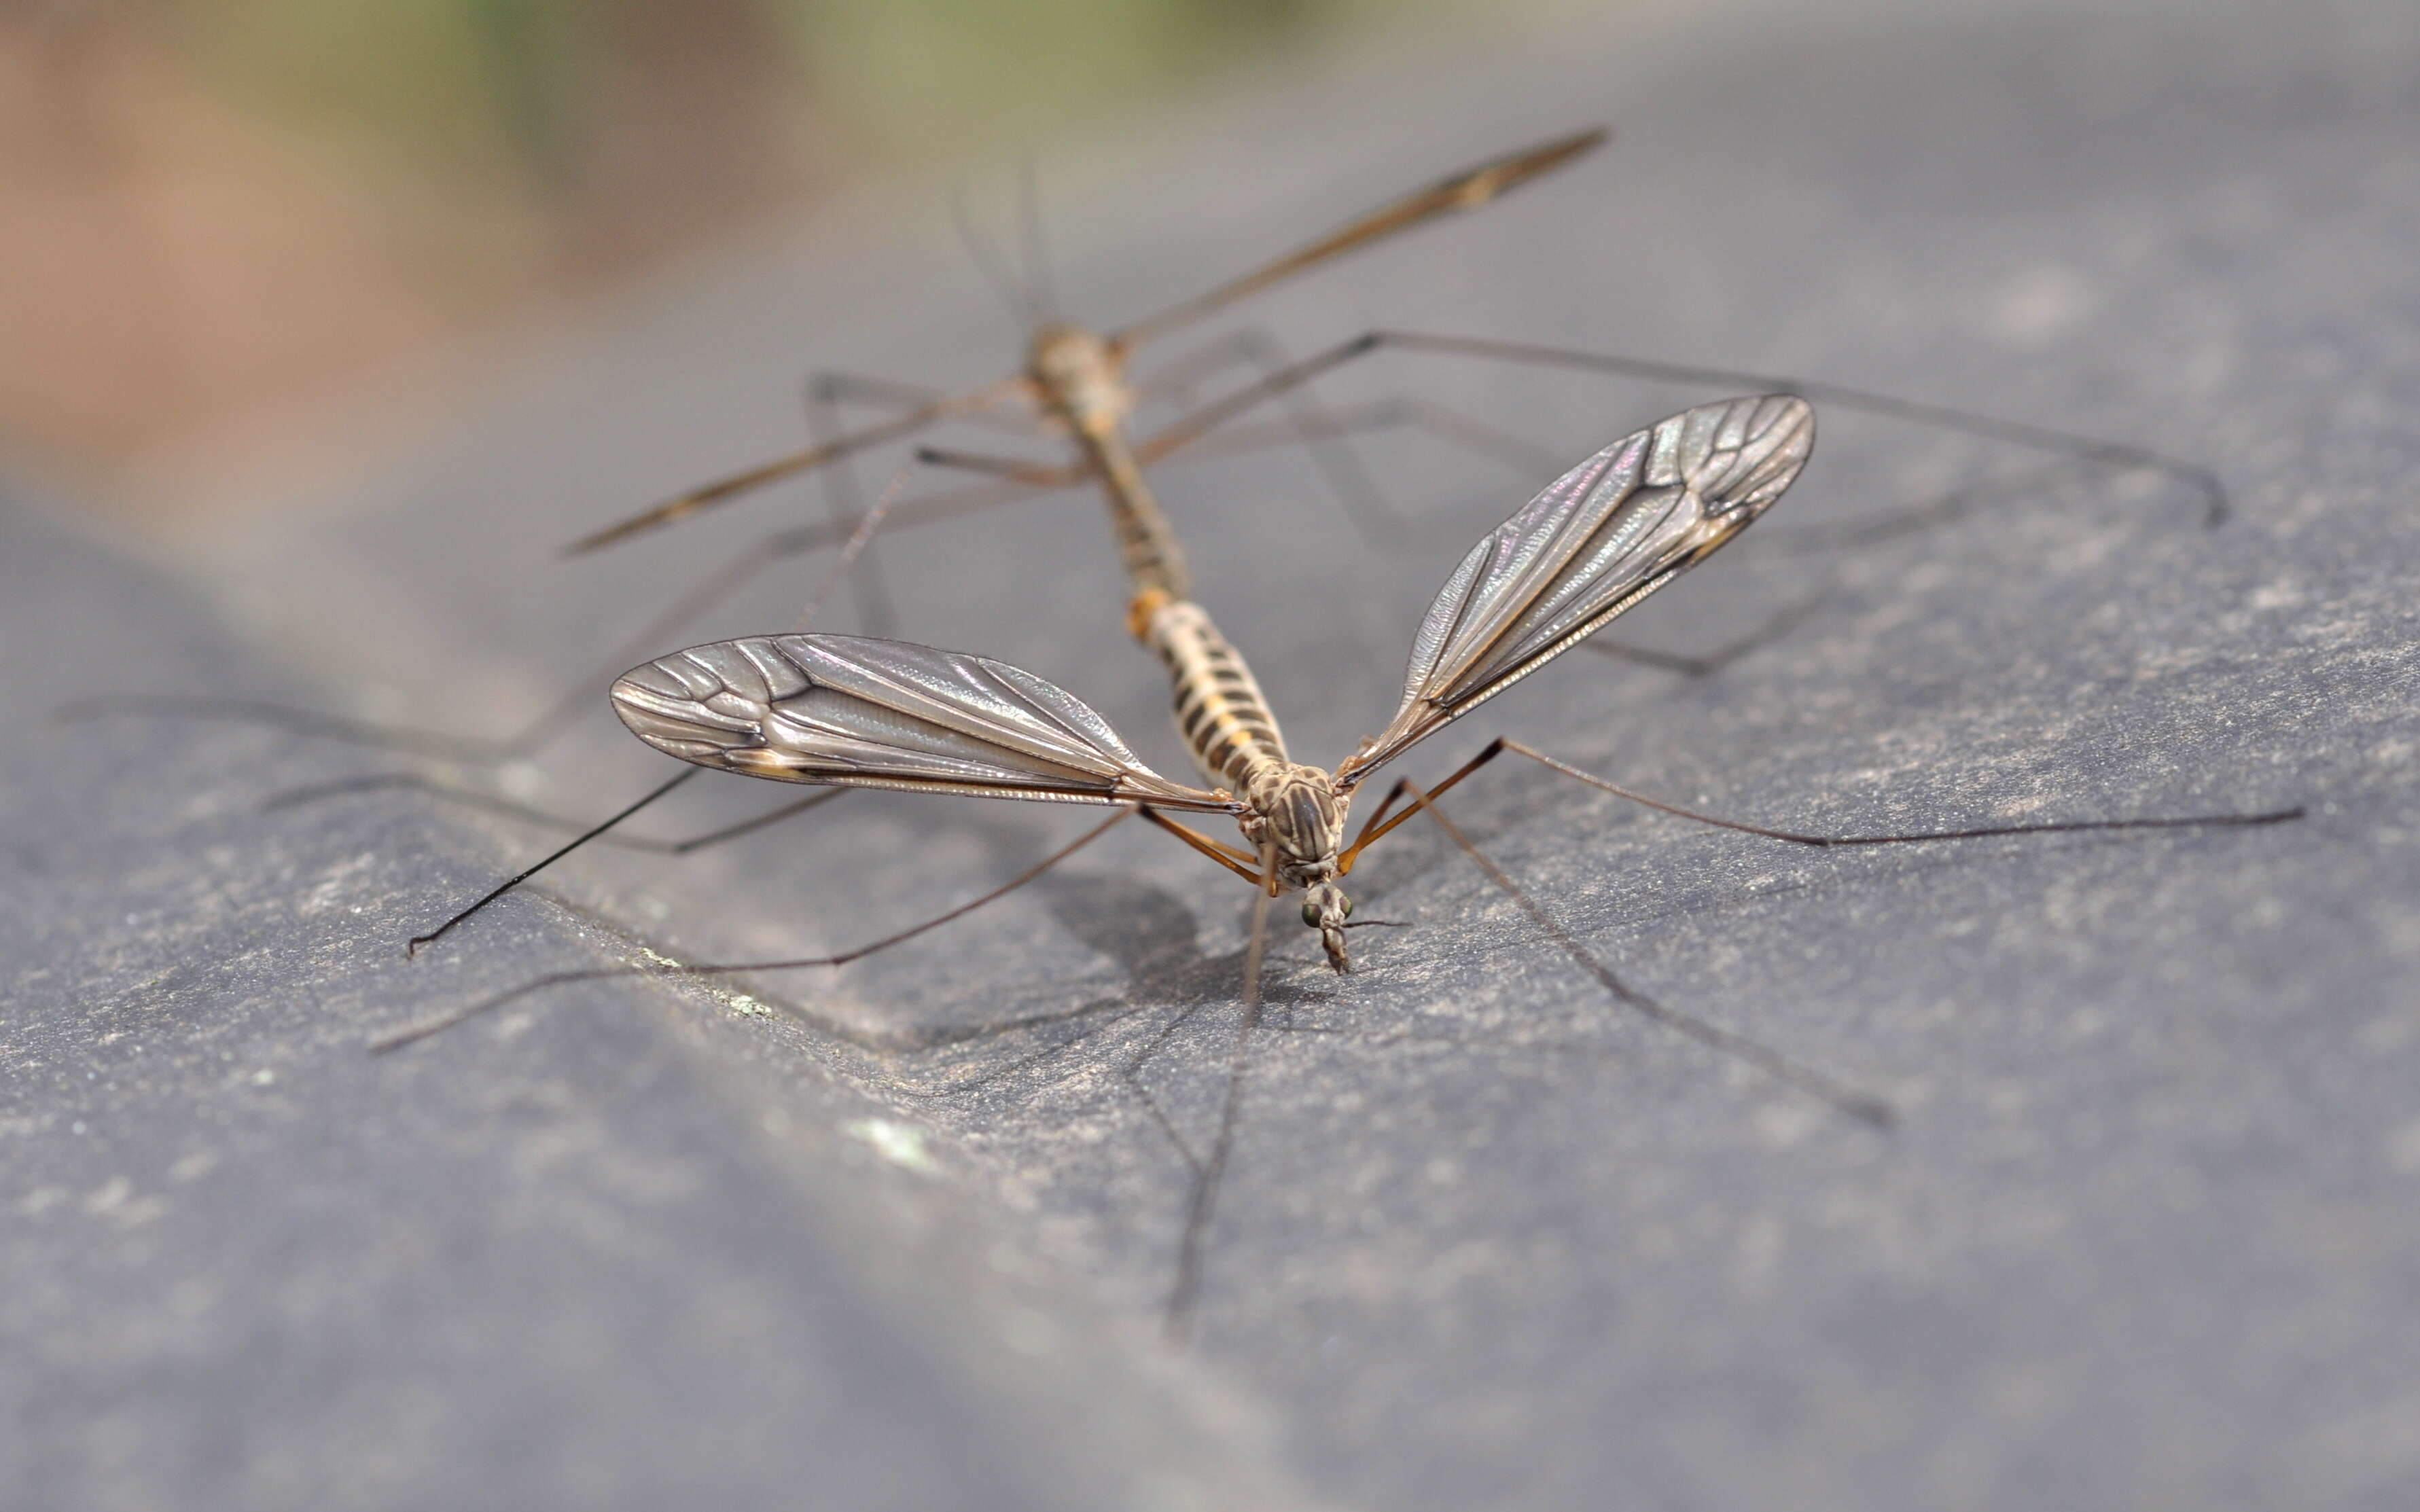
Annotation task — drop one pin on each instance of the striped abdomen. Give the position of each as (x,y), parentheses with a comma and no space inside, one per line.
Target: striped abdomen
(1220,711)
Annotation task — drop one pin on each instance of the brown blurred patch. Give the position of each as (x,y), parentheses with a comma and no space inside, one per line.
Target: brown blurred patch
(180,259)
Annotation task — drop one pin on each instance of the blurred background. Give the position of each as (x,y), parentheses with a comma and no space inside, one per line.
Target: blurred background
(236,224)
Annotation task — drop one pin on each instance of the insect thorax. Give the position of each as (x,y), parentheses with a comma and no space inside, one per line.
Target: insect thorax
(1299,811)
(1080,378)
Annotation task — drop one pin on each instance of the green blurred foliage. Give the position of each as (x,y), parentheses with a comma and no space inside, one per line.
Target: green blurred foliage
(469,87)
(429,78)
(919,75)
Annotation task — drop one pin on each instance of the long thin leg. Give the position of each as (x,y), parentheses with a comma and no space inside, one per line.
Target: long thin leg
(2273,816)
(1476,436)
(530,738)
(309,723)
(866,526)
(491,803)
(1365,505)
(1863,1106)
(557,718)
(891,394)
(1187,1290)
(412,946)
(1792,539)
(1010,469)
(411,1032)
(1379,824)
(1839,395)
(826,391)
(1233,861)
(814,456)
(1175,380)
(1779,623)
(1532,462)
(1261,391)
(853,551)
(2086,448)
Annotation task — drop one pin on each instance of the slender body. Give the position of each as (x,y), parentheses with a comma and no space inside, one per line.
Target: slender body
(1080,380)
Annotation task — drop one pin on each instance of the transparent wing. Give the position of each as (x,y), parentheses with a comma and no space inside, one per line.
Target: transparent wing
(1605,536)
(856,712)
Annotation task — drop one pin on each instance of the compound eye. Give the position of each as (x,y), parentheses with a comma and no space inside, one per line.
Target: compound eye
(1348,908)
(1311,915)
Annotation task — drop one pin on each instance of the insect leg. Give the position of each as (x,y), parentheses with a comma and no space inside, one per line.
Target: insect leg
(1391,413)
(866,525)
(2273,816)
(410,1033)
(826,391)
(558,716)
(414,944)
(310,724)
(2121,455)
(530,738)
(1347,477)
(1378,824)
(1010,469)
(1233,860)
(2071,445)
(1261,391)
(896,428)
(1776,624)
(491,803)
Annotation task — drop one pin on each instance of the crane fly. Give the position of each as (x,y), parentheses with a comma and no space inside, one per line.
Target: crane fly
(840,711)
(860,712)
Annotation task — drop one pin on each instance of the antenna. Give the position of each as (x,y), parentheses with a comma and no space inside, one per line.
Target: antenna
(989,262)
(1045,295)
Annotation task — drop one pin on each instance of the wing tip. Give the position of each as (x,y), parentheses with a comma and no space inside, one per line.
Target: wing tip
(685,706)
(1741,454)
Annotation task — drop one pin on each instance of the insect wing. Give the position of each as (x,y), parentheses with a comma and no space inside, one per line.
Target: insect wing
(858,712)
(1602,537)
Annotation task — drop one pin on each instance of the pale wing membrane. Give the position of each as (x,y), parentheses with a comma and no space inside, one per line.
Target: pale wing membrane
(1602,537)
(856,712)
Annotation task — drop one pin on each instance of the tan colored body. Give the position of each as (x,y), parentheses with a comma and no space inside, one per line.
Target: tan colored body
(1081,382)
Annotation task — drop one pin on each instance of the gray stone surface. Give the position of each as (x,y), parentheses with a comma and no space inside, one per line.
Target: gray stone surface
(252,1266)
(2145,1235)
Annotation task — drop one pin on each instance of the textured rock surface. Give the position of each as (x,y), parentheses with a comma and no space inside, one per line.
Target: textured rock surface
(2145,1234)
